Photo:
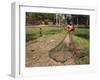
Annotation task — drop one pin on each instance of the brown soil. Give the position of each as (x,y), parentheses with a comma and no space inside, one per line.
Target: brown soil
(37,52)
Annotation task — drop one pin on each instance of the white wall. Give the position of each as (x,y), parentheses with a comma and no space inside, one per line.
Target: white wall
(5,39)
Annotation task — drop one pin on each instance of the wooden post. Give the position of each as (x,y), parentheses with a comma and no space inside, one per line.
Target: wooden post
(40,32)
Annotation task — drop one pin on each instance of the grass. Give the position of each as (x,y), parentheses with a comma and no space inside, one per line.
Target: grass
(81,37)
(82,32)
(34,33)
(84,50)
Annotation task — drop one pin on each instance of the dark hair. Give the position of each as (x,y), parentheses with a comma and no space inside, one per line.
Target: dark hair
(70,22)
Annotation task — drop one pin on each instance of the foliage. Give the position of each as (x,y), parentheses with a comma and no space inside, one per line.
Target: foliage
(38,18)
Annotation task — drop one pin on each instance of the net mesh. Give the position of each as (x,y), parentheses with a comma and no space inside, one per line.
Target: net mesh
(65,50)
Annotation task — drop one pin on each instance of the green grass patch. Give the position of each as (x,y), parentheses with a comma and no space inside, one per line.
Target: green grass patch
(52,31)
(84,50)
(82,32)
(81,37)
(34,33)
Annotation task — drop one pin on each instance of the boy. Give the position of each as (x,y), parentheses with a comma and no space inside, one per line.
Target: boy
(70,27)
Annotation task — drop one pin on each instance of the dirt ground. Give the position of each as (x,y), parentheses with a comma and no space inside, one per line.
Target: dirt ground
(37,52)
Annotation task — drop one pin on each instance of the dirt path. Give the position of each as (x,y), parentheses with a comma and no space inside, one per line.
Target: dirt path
(37,52)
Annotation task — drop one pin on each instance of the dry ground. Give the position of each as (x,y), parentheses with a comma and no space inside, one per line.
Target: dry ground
(37,51)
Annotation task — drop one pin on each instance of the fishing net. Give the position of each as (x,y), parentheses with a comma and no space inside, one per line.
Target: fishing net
(64,50)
